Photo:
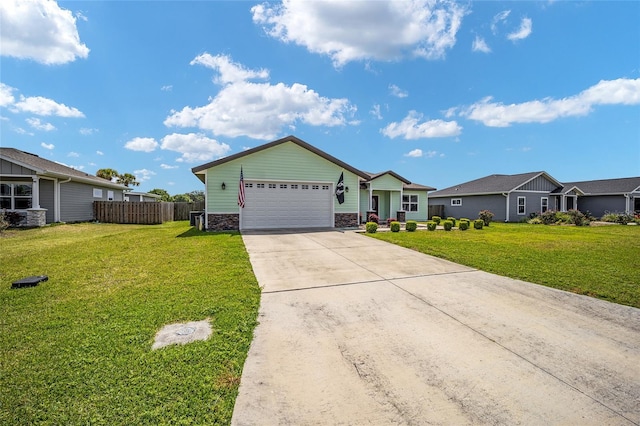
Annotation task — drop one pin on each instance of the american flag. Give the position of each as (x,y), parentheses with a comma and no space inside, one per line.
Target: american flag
(241,190)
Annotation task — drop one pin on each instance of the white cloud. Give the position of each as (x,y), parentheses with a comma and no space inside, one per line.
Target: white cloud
(194,147)
(21,131)
(259,110)
(40,125)
(411,128)
(523,32)
(143,174)
(168,167)
(375,111)
(47,145)
(87,131)
(73,154)
(480,45)
(498,19)
(142,144)
(364,30)
(44,106)
(99,152)
(416,153)
(6,95)
(607,92)
(40,30)
(230,72)
(398,92)
(167,88)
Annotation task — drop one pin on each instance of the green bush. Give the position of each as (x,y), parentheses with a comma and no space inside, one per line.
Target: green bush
(447,225)
(548,217)
(616,217)
(486,216)
(436,219)
(463,225)
(452,219)
(535,220)
(411,226)
(478,223)
(464,218)
(371,227)
(395,226)
(431,225)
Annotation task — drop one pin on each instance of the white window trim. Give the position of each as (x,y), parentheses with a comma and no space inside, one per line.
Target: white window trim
(13,196)
(410,203)
(524,206)
(542,204)
(456,204)
(97,193)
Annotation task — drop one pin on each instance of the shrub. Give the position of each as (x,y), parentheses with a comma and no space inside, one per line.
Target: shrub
(463,225)
(3,223)
(389,220)
(431,225)
(578,218)
(436,219)
(478,223)
(395,226)
(447,225)
(485,216)
(411,226)
(616,217)
(465,219)
(548,217)
(371,227)
(12,218)
(373,218)
(452,219)
(535,221)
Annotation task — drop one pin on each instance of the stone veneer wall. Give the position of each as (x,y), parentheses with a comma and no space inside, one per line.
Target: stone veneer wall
(346,220)
(36,217)
(223,222)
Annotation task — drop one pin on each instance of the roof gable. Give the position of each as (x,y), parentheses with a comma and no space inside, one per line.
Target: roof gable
(605,186)
(200,169)
(493,184)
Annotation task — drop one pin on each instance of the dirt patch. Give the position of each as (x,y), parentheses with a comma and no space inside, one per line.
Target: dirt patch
(182,333)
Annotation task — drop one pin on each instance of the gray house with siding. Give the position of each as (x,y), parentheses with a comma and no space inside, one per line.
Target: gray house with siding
(512,198)
(44,191)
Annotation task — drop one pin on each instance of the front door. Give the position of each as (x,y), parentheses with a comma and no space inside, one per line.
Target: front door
(374,204)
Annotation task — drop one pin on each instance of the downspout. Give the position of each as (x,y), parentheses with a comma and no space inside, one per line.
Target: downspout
(627,204)
(506,219)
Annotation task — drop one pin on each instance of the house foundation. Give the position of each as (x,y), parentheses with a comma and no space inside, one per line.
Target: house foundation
(346,220)
(223,222)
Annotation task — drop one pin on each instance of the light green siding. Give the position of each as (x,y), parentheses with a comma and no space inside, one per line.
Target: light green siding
(284,162)
(422,212)
(387,182)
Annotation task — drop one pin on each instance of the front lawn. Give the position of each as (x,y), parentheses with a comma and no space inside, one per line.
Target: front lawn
(597,261)
(77,348)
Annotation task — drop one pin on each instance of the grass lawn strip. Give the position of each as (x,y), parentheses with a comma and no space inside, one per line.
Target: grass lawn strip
(597,261)
(77,348)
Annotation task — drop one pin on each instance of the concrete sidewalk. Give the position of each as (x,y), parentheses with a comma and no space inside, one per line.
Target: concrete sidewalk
(358,331)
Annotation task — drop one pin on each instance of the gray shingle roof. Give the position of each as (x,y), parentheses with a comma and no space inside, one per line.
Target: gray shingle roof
(493,184)
(43,166)
(606,186)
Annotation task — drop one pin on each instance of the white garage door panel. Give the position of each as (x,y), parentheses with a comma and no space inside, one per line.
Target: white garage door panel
(290,205)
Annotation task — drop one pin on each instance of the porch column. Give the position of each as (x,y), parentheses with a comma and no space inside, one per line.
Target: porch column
(35,193)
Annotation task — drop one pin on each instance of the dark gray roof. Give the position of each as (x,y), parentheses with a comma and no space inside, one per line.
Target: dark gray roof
(493,184)
(604,186)
(46,167)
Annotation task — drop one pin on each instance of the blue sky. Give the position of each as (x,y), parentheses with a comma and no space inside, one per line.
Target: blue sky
(441,93)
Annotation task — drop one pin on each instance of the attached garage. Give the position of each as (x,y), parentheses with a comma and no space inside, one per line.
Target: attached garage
(299,204)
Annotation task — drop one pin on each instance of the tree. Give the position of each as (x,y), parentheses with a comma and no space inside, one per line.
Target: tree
(182,198)
(161,192)
(127,179)
(108,174)
(196,195)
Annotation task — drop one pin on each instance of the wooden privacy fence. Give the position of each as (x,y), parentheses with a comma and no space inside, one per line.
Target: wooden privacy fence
(142,213)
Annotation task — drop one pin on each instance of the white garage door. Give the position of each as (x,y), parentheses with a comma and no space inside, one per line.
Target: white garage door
(287,205)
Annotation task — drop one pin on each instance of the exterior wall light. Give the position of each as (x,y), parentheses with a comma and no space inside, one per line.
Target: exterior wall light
(346,188)
(223,186)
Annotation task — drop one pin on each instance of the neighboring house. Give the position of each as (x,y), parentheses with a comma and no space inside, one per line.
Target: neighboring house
(141,196)
(513,198)
(47,192)
(289,183)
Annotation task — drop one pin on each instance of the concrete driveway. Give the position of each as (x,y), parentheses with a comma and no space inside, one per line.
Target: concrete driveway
(355,331)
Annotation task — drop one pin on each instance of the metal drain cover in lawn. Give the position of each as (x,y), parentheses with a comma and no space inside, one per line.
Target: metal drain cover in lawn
(180,334)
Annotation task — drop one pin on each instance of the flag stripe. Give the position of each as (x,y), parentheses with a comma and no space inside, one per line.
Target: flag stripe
(241,190)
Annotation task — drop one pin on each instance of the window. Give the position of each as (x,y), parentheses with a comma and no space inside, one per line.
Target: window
(248,185)
(457,202)
(544,204)
(305,186)
(272,186)
(97,193)
(260,185)
(110,195)
(325,187)
(294,186)
(410,203)
(16,196)
(315,187)
(522,205)
(283,186)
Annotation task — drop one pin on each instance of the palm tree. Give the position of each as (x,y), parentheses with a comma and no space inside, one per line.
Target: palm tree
(108,174)
(127,179)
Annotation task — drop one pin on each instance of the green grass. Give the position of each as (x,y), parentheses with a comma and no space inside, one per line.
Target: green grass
(597,261)
(77,348)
